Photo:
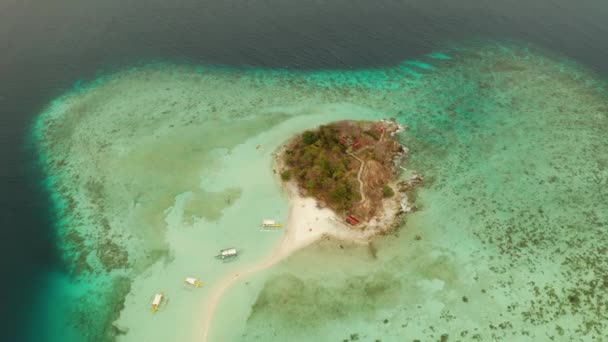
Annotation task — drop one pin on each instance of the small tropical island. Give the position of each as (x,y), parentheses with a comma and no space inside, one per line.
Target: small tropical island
(353,169)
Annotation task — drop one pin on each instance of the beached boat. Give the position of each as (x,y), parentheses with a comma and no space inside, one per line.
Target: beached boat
(227,254)
(156,302)
(193,281)
(271,224)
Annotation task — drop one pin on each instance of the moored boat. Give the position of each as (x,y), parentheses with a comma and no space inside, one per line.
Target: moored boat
(271,224)
(227,254)
(193,281)
(156,302)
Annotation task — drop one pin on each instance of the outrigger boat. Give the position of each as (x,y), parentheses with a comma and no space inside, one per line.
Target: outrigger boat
(193,281)
(156,302)
(271,224)
(227,254)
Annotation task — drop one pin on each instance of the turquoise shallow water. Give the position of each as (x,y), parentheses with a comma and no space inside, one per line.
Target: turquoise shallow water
(508,243)
(510,240)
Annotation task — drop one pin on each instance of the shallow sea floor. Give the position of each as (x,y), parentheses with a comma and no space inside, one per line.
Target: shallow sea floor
(155,169)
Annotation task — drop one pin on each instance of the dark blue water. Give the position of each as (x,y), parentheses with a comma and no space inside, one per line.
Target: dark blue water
(47,46)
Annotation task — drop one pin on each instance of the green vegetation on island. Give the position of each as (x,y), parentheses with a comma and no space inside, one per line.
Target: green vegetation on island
(346,165)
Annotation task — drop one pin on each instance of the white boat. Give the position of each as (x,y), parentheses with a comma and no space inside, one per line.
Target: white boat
(156,302)
(193,281)
(271,224)
(227,253)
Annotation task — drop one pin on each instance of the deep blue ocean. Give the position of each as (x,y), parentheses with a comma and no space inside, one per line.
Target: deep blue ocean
(47,46)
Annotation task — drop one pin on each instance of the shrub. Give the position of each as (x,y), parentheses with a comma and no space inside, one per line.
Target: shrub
(387,191)
(309,138)
(286,175)
(310,185)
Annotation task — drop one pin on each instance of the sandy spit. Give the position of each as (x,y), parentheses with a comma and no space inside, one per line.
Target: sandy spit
(306,224)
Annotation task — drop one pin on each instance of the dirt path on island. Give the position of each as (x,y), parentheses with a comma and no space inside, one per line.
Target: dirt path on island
(363,166)
(359,176)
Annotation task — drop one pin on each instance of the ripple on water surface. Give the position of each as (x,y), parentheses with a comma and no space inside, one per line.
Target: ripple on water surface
(156,168)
